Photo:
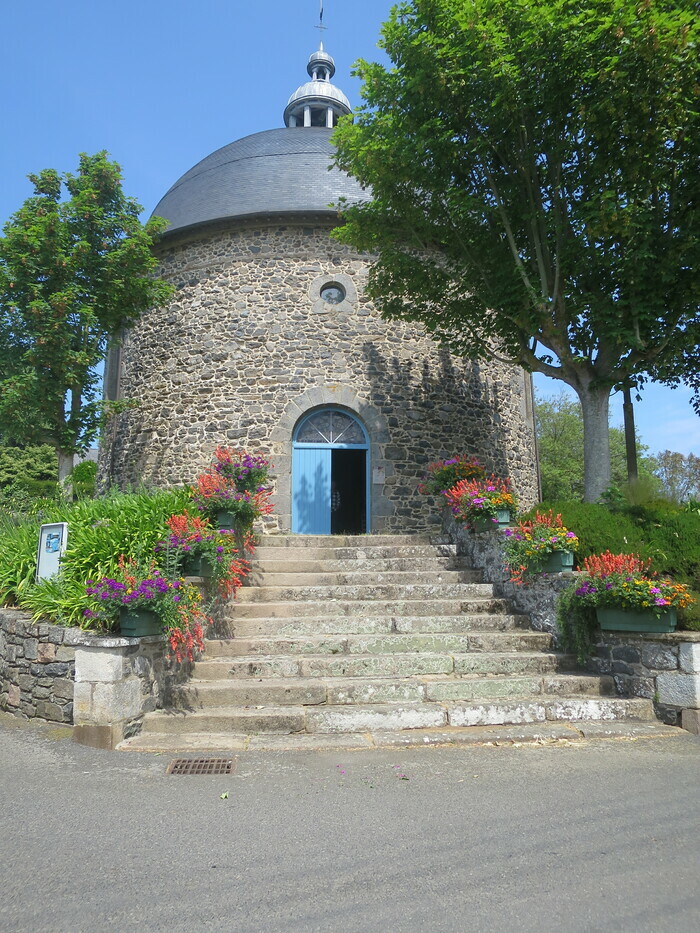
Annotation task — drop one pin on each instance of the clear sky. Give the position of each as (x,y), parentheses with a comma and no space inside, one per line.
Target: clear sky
(161,84)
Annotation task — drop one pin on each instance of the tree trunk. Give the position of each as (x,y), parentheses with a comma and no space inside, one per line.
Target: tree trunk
(65,467)
(595,405)
(630,436)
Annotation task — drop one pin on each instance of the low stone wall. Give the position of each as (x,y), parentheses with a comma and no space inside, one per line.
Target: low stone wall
(483,550)
(663,667)
(37,668)
(103,685)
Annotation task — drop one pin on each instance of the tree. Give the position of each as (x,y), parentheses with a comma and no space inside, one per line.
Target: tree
(533,167)
(72,273)
(27,471)
(559,425)
(680,475)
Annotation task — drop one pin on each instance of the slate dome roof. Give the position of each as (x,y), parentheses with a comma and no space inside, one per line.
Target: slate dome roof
(281,171)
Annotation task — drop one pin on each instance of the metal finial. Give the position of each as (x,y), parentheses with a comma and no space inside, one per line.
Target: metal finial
(321,28)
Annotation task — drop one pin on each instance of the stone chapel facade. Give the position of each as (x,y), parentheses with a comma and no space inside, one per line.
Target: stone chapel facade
(270,344)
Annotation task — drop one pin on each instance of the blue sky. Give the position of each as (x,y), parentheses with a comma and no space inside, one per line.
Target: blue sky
(162,84)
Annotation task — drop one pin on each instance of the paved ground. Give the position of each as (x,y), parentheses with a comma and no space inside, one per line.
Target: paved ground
(596,836)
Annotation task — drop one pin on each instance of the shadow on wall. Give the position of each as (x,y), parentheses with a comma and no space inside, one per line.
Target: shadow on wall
(436,412)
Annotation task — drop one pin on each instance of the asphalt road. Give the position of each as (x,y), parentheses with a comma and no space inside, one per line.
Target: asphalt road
(603,836)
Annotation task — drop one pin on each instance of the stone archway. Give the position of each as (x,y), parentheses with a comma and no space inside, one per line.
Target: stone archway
(340,397)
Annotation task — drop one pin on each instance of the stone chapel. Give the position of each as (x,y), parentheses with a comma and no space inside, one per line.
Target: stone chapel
(271,345)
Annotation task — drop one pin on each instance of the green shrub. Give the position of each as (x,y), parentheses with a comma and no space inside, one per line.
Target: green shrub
(660,530)
(667,534)
(597,528)
(83,478)
(99,531)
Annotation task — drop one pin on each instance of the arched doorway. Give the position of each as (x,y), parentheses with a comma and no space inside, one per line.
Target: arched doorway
(330,474)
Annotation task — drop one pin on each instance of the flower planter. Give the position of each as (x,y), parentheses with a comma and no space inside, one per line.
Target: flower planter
(197,565)
(503,517)
(138,623)
(225,520)
(558,562)
(629,620)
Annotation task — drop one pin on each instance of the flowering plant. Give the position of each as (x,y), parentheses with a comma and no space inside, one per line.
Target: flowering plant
(191,536)
(176,603)
(619,581)
(623,581)
(444,474)
(472,499)
(235,482)
(527,546)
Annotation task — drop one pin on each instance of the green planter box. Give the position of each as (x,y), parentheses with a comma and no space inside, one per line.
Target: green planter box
(503,517)
(225,520)
(138,623)
(197,566)
(627,620)
(558,562)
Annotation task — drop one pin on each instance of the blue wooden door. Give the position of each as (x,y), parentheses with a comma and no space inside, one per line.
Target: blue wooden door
(311,492)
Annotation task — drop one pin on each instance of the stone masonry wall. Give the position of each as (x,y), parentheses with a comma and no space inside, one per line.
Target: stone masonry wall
(484,550)
(663,667)
(247,346)
(104,685)
(37,668)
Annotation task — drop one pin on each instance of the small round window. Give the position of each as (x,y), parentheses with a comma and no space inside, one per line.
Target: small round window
(333,293)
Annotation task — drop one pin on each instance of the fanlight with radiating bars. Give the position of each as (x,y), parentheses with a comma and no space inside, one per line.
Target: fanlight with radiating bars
(331,427)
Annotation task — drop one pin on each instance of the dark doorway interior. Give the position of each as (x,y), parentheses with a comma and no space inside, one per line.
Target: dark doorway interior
(349,492)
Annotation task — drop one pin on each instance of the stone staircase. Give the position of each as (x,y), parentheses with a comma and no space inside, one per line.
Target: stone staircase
(378,640)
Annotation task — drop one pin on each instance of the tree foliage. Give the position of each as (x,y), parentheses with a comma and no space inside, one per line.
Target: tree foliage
(73,272)
(679,475)
(534,174)
(26,472)
(559,426)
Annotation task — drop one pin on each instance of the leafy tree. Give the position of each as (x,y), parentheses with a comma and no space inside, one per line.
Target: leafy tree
(559,425)
(680,475)
(72,273)
(26,472)
(534,174)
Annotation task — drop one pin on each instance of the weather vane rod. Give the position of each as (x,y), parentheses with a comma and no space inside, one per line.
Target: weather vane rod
(321,28)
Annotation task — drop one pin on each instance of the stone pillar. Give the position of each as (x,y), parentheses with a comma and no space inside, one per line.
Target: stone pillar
(329,118)
(292,120)
(116,684)
(307,115)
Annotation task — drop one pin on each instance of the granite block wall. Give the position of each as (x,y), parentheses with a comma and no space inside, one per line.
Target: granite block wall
(247,346)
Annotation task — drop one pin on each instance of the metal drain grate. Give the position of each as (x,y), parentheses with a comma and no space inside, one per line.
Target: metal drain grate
(197,766)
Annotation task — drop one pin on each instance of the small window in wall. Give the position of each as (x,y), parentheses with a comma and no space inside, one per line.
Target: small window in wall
(333,293)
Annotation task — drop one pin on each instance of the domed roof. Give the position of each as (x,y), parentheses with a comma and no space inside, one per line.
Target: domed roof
(282,171)
(321,57)
(320,90)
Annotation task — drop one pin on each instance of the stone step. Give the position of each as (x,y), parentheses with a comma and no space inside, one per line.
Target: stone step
(311,608)
(346,541)
(381,717)
(203,694)
(360,554)
(433,643)
(542,733)
(394,665)
(268,565)
(362,579)
(369,625)
(258,594)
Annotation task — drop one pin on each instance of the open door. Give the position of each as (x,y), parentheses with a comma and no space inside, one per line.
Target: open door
(311,492)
